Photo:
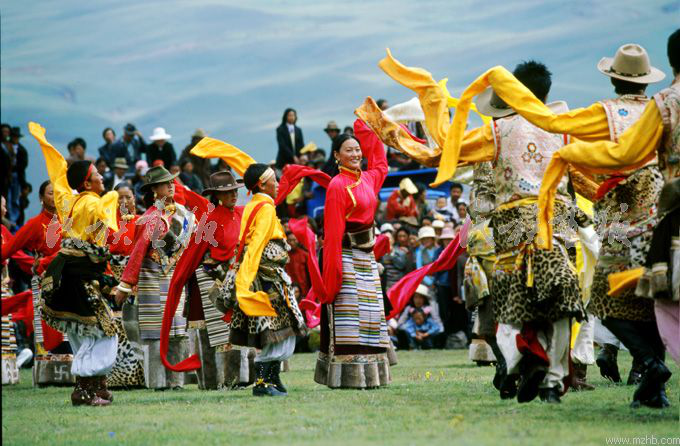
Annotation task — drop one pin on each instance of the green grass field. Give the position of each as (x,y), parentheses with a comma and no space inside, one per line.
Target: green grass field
(436,397)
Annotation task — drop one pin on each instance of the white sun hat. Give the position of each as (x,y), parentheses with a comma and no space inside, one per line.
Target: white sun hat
(158,134)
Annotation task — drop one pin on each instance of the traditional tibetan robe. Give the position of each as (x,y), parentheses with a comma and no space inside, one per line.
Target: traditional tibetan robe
(10,371)
(160,238)
(353,328)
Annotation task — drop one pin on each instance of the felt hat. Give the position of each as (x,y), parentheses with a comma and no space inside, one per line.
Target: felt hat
(407,185)
(630,63)
(120,163)
(426,232)
(222,182)
(159,134)
(157,175)
(332,125)
(490,104)
(16,132)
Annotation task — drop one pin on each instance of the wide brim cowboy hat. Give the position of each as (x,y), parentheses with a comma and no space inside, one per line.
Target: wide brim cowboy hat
(490,104)
(631,64)
(222,181)
(332,126)
(157,175)
(120,163)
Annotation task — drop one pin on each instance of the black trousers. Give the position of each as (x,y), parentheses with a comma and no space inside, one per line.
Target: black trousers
(640,338)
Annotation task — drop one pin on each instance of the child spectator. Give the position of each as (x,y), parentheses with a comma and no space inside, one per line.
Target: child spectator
(441,210)
(420,329)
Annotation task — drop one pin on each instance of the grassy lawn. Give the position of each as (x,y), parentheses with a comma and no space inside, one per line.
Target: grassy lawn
(436,397)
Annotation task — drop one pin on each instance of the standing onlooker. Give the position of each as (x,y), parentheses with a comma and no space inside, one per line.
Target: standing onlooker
(290,139)
(76,151)
(427,252)
(332,130)
(21,155)
(131,145)
(202,166)
(449,286)
(109,151)
(188,177)
(161,149)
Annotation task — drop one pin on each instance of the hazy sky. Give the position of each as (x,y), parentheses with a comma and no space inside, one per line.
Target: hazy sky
(233,67)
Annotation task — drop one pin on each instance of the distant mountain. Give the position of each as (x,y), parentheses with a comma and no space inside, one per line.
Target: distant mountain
(77,67)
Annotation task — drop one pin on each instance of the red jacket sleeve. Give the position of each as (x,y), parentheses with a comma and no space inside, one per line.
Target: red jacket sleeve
(194,202)
(374,151)
(149,222)
(25,238)
(333,229)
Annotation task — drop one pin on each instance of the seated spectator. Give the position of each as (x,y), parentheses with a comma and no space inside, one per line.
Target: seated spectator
(188,177)
(442,211)
(421,201)
(421,330)
(401,202)
(438,226)
(161,149)
(426,252)
(462,211)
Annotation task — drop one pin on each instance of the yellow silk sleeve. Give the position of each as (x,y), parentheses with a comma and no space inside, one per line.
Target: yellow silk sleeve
(56,170)
(453,102)
(636,147)
(621,281)
(433,100)
(589,124)
(255,303)
(236,158)
(92,215)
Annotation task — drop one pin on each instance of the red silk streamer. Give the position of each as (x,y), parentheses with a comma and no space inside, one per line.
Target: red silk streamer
(401,292)
(607,185)
(413,137)
(293,173)
(16,303)
(306,237)
(382,246)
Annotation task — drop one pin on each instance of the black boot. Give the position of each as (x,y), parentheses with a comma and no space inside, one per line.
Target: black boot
(658,401)
(508,388)
(606,361)
(653,379)
(532,373)
(264,387)
(550,395)
(635,374)
(275,377)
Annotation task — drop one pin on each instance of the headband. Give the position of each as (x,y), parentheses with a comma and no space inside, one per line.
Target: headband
(266,176)
(90,170)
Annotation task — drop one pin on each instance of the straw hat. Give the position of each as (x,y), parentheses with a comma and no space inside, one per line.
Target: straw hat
(159,134)
(631,63)
(407,185)
(426,232)
(438,224)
